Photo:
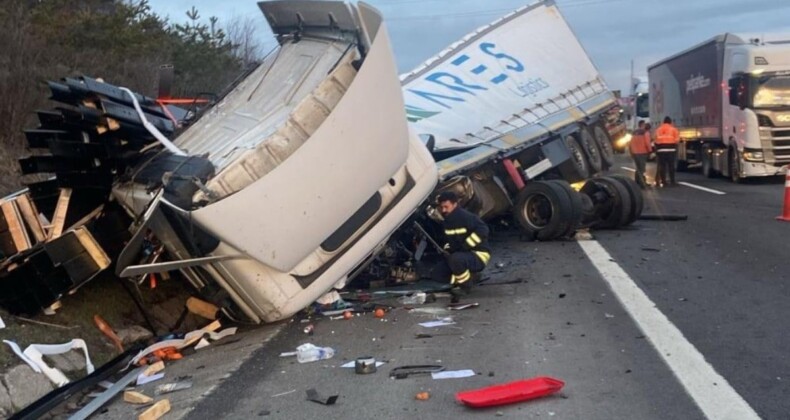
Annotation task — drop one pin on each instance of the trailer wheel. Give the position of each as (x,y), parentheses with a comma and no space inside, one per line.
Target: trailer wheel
(577,166)
(576,206)
(604,142)
(589,215)
(735,166)
(611,200)
(587,141)
(634,194)
(542,210)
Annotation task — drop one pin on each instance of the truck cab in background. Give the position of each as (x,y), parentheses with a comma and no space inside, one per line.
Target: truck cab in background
(730,99)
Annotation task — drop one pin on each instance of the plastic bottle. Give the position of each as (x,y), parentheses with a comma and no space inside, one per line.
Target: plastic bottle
(307,353)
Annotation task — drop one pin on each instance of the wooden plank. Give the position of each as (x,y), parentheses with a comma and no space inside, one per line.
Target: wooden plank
(202,308)
(154,368)
(15,226)
(92,247)
(136,397)
(59,218)
(155,411)
(29,212)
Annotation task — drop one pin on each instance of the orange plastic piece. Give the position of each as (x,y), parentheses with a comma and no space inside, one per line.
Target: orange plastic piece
(105,328)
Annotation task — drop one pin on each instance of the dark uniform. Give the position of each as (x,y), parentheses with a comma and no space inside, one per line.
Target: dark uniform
(467,243)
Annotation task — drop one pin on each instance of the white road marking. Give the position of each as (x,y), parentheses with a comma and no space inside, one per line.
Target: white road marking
(628,169)
(709,390)
(701,188)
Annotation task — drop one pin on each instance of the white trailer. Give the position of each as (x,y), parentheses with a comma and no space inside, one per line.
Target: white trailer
(515,101)
(730,99)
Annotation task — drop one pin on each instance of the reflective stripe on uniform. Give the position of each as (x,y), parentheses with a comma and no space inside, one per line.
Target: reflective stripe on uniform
(462,278)
(459,231)
(473,240)
(484,256)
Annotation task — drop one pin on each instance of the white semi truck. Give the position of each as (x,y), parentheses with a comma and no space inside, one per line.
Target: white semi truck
(730,99)
(309,167)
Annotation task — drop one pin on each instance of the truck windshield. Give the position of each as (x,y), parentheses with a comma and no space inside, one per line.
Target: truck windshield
(772,91)
(642,106)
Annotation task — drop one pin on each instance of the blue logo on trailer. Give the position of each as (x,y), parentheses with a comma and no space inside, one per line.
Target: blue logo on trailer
(455,88)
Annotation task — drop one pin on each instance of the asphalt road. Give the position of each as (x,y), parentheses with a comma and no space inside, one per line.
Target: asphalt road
(720,277)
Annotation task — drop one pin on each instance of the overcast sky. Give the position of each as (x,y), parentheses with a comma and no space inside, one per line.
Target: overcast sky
(612,31)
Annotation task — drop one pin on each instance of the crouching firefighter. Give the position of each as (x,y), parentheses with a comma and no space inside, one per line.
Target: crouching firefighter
(467,245)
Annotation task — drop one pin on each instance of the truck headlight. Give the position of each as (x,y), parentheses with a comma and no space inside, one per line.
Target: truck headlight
(623,141)
(753,156)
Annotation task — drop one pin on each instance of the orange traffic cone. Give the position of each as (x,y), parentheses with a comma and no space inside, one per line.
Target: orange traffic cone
(785,217)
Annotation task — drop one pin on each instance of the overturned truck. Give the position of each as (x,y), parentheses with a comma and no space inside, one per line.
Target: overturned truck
(297,178)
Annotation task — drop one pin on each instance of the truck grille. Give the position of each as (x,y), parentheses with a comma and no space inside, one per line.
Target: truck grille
(764,121)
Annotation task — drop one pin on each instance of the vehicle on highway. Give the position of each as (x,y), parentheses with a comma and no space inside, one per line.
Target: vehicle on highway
(730,98)
(511,109)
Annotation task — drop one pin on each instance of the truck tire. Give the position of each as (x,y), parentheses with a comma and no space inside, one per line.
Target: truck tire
(587,142)
(604,142)
(635,195)
(576,168)
(542,210)
(734,166)
(576,206)
(589,215)
(612,202)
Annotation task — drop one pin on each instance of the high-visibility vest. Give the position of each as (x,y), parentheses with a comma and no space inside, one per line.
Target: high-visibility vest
(667,134)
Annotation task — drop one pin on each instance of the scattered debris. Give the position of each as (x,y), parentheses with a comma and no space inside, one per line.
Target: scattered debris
(403,372)
(353,364)
(307,353)
(379,313)
(105,328)
(562,295)
(365,365)
(583,235)
(36,352)
(422,396)
(438,323)
(608,315)
(284,393)
(309,329)
(462,306)
(15,348)
(413,299)
(2,324)
(202,308)
(134,397)
(155,411)
(181,383)
(314,396)
(143,379)
(347,315)
(189,339)
(154,368)
(106,396)
(453,374)
(511,392)
(651,249)
(45,324)
(429,311)
(425,335)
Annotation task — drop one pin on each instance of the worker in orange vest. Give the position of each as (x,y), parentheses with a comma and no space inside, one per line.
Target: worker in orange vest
(640,149)
(667,138)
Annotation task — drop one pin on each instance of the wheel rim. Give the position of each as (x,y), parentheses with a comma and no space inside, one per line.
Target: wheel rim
(607,151)
(538,211)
